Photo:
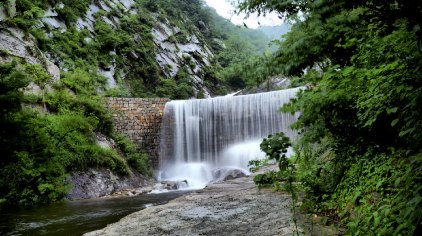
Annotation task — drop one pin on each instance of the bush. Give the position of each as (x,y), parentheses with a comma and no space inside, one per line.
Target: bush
(136,159)
(268,179)
(275,147)
(36,183)
(388,201)
(139,161)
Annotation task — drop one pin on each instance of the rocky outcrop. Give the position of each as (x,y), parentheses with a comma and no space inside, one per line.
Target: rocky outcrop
(178,49)
(16,43)
(95,183)
(52,20)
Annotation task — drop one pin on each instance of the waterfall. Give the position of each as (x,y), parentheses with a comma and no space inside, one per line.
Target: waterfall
(199,136)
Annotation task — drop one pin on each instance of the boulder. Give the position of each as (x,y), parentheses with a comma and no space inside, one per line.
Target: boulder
(227,173)
(174,185)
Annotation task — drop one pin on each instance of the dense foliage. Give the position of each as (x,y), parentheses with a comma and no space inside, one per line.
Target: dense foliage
(359,153)
(39,149)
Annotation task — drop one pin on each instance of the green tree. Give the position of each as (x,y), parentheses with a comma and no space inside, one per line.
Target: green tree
(12,80)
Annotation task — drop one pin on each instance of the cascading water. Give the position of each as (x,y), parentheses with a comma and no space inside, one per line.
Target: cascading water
(199,136)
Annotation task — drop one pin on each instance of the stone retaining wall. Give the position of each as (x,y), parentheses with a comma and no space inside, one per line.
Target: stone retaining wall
(140,120)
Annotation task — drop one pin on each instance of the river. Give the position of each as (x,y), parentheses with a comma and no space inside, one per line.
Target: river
(77,217)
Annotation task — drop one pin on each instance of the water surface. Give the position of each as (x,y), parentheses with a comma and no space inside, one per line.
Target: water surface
(77,217)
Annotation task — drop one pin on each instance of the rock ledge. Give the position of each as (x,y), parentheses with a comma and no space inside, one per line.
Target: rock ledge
(233,207)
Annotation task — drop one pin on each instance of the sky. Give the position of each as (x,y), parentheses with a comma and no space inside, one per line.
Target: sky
(226,10)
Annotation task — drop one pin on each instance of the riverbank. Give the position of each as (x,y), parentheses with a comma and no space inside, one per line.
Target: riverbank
(233,207)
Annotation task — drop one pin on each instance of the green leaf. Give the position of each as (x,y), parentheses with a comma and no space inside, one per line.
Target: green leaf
(397,182)
(379,184)
(394,122)
(392,110)
(377,219)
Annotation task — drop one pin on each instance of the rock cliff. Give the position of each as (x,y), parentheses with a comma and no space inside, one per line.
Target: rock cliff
(174,48)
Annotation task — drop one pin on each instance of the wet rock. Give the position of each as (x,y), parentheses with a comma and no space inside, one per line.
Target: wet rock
(131,192)
(171,185)
(95,183)
(228,173)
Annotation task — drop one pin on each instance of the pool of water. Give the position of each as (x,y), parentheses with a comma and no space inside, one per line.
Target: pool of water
(77,217)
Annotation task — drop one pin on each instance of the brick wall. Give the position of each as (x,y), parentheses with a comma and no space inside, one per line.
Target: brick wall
(140,120)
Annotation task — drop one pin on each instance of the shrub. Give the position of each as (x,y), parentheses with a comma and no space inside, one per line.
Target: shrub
(136,159)
(267,179)
(139,161)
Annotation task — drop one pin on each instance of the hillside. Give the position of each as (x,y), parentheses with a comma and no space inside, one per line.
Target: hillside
(161,39)
(275,32)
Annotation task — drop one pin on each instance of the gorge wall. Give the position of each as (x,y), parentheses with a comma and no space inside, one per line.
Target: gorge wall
(140,120)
